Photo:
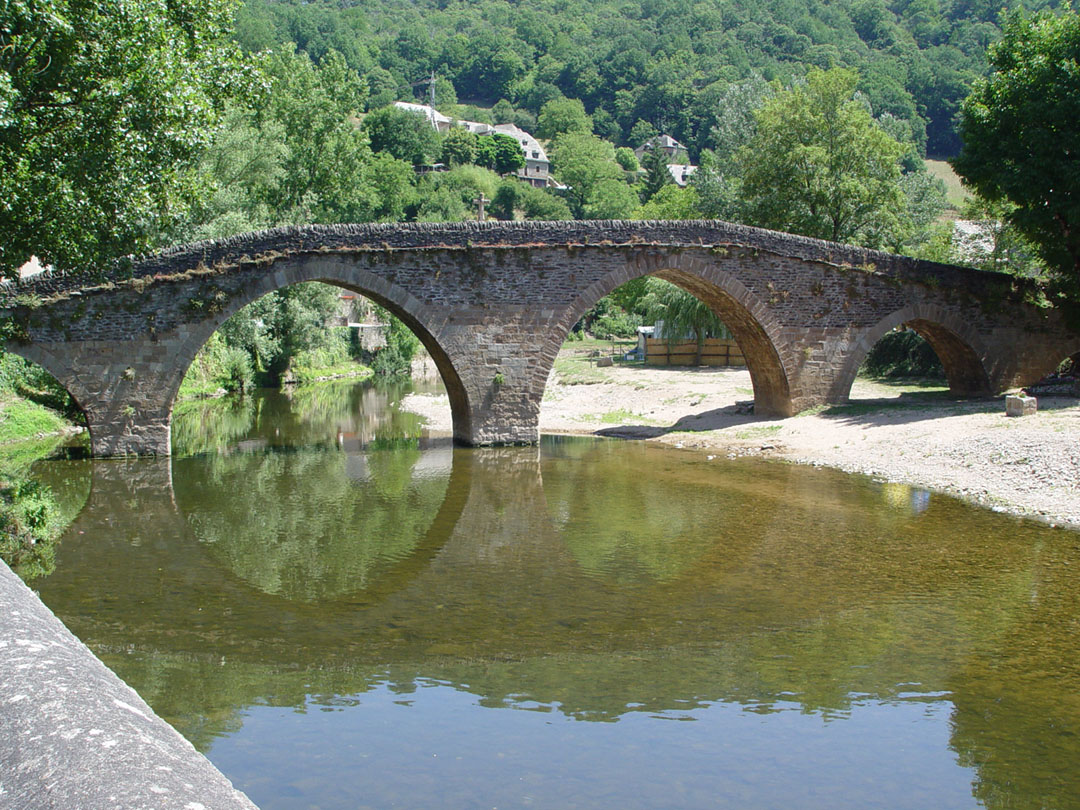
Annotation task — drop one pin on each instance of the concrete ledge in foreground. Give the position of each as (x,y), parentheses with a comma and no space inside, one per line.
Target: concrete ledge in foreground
(73,736)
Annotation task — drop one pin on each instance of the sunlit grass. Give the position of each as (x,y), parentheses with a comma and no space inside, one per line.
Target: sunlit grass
(578,371)
(619,417)
(21,419)
(955,193)
(758,432)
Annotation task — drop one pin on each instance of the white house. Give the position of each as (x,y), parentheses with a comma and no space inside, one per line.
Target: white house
(537,168)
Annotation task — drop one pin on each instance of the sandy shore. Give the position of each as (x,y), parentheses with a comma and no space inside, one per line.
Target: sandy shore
(1028,466)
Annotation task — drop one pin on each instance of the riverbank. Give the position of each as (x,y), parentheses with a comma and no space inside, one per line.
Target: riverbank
(910,433)
(22,420)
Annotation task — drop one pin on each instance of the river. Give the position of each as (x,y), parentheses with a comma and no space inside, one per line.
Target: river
(343,611)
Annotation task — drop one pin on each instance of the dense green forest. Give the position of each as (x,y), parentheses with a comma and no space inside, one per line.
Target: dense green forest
(657,65)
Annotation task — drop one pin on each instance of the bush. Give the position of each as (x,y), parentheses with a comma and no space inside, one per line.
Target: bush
(903,354)
(616,325)
(218,366)
(395,358)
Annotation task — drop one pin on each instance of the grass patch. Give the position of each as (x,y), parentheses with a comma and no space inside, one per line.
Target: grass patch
(619,417)
(758,432)
(576,371)
(304,373)
(591,344)
(21,419)
(16,457)
(955,193)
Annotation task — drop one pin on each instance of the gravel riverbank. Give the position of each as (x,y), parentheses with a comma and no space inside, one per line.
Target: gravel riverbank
(905,433)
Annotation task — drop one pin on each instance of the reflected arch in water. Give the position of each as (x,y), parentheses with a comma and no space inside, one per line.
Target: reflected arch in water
(311,525)
(349,275)
(756,329)
(956,344)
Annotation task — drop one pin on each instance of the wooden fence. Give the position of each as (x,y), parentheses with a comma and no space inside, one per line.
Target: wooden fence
(715,352)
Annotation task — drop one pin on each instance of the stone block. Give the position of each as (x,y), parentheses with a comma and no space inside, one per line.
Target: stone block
(1020,405)
(603,362)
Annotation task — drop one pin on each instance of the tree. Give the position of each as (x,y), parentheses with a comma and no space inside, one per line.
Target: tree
(610,198)
(316,106)
(655,164)
(533,203)
(820,165)
(1021,141)
(297,156)
(736,121)
(459,147)
(405,135)
(582,161)
(499,152)
(449,196)
(626,158)
(562,115)
(103,108)
(719,193)
(671,202)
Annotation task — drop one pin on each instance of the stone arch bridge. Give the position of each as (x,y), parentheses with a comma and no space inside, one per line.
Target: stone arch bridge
(493,302)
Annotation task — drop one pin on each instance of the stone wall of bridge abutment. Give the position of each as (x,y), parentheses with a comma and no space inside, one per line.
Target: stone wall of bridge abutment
(493,313)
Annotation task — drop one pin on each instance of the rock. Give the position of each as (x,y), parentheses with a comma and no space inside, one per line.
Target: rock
(603,362)
(1020,405)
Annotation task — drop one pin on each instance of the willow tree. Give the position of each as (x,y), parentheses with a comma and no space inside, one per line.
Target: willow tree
(681,313)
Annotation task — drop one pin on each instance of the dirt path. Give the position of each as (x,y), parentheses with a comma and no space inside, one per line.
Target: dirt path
(918,436)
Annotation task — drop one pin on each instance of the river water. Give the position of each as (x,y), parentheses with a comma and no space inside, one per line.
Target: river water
(342,611)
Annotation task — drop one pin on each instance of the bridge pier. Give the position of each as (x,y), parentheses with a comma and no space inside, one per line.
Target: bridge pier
(125,389)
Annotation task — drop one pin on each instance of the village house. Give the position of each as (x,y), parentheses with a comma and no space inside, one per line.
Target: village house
(537,168)
(680,173)
(672,149)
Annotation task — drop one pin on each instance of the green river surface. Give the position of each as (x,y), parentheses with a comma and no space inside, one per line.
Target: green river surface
(343,611)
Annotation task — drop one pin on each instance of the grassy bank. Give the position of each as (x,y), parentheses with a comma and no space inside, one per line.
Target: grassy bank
(21,420)
(35,413)
(30,519)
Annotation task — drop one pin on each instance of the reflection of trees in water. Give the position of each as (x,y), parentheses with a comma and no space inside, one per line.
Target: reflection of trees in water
(1016,716)
(211,425)
(621,522)
(294,524)
(37,502)
(318,415)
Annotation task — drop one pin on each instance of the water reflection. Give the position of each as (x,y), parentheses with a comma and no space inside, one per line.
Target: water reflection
(347,569)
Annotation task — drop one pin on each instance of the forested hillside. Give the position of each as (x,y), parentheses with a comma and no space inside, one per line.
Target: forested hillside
(647,65)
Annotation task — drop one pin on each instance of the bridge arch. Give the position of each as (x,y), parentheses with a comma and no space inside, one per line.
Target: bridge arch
(956,344)
(750,320)
(348,274)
